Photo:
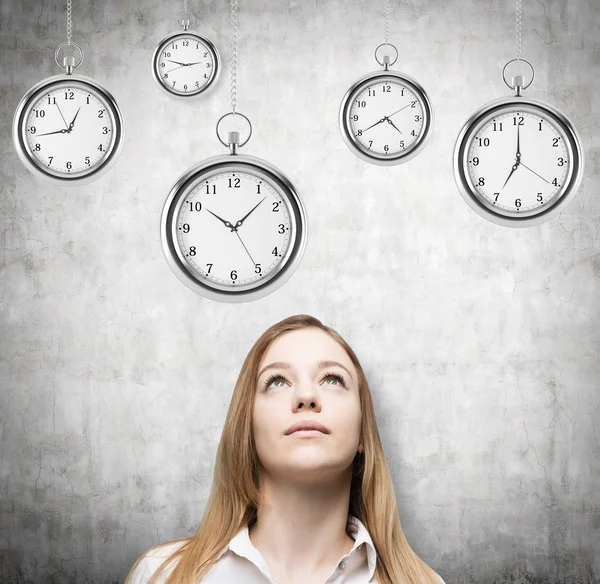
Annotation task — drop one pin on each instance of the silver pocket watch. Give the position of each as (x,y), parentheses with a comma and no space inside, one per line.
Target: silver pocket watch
(518,161)
(386,117)
(67,128)
(233,228)
(186,64)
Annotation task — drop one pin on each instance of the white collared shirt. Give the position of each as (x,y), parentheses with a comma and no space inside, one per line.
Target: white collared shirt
(242,562)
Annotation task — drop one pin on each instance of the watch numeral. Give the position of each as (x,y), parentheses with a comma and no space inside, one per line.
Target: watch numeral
(70,94)
(274,252)
(496,199)
(417,118)
(281,228)
(555,183)
(521,121)
(475,161)
(371,92)
(257,268)
(166,54)
(497,126)
(237,183)
(53,98)
(214,192)
(186,43)
(39,113)
(100,148)
(101,113)
(209,268)
(484,142)
(186,228)
(195,205)
(387,88)
(69,165)
(555,142)
(481,181)
(361,103)
(561,161)
(105,130)
(192,251)
(37,147)
(386,148)
(32,129)
(518,203)
(50,159)
(87,160)
(539,198)
(370,143)
(233,275)
(276,206)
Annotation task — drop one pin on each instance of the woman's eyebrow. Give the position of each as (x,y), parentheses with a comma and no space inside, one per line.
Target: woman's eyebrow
(320,365)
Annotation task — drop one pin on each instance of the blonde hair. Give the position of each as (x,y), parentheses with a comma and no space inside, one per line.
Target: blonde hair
(235,497)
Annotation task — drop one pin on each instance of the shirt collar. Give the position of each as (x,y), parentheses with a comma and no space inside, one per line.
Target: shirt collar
(241,544)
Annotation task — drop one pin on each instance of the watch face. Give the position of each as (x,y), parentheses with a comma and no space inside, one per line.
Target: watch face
(233,227)
(386,118)
(185,64)
(518,159)
(68,129)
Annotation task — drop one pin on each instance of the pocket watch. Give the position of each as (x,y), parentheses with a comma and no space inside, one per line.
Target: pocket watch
(185,63)
(68,128)
(233,228)
(518,161)
(386,117)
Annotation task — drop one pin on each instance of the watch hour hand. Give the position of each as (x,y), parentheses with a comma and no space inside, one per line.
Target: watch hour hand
(176,62)
(515,166)
(390,121)
(72,124)
(226,223)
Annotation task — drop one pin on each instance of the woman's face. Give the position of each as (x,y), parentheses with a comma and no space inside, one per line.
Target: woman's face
(293,385)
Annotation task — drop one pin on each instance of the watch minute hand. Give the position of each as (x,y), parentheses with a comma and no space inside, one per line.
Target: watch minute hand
(239,223)
(63,131)
(379,122)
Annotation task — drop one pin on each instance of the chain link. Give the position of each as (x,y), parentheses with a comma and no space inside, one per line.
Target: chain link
(233,52)
(387,18)
(185,5)
(518,29)
(69,22)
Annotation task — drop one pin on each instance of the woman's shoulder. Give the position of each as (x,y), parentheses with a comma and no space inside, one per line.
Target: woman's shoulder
(151,559)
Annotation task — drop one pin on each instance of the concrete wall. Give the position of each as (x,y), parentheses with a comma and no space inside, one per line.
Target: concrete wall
(481,342)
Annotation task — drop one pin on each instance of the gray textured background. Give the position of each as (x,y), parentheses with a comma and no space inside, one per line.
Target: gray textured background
(481,342)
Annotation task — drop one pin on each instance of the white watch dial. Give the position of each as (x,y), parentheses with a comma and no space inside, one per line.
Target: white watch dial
(233,228)
(69,129)
(518,160)
(386,117)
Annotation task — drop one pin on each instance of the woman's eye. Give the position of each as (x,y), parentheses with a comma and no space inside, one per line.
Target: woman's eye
(338,378)
(273,379)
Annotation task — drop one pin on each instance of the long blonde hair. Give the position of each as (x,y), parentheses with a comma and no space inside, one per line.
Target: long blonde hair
(234,497)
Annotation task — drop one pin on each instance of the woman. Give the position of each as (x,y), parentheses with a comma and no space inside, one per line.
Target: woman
(295,507)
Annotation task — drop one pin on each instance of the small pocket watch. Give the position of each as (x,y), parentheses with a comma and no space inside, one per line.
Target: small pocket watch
(518,161)
(233,228)
(185,63)
(386,117)
(68,128)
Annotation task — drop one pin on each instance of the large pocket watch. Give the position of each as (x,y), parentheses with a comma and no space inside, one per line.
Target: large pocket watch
(518,161)
(386,117)
(233,227)
(68,128)
(185,63)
